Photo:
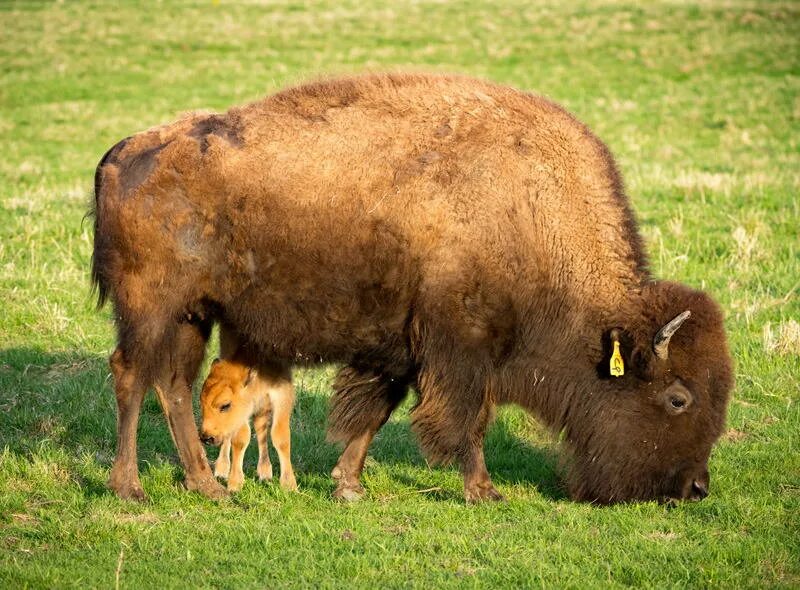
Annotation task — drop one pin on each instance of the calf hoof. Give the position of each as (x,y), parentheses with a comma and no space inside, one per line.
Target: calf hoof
(349,492)
(235,485)
(482,493)
(209,487)
(127,490)
(289,483)
(264,472)
(222,471)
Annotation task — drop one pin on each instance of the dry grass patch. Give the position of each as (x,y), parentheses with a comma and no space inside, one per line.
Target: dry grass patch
(662,536)
(734,435)
(700,182)
(783,339)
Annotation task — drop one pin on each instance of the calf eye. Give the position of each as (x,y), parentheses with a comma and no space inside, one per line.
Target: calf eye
(225,407)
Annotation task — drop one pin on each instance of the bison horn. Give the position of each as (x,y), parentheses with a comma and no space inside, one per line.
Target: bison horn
(661,340)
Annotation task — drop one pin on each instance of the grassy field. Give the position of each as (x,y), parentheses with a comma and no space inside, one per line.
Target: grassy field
(699,101)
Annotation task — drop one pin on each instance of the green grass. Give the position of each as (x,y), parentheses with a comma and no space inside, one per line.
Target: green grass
(701,105)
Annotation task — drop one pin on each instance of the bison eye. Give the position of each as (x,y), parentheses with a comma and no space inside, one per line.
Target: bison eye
(225,407)
(677,398)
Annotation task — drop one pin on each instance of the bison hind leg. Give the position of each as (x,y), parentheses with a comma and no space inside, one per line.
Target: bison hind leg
(130,385)
(174,378)
(140,339)
(155,349)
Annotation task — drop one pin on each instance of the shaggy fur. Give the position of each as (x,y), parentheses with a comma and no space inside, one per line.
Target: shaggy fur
(466,238)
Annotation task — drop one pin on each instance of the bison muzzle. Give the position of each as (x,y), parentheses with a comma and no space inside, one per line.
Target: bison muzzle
(467,240)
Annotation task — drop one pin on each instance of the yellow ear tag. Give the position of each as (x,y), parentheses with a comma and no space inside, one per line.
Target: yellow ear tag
(617,366)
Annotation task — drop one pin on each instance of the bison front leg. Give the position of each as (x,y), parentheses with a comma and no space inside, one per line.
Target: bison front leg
(129,387)
(477,483)
(347,472)
(174,389)
(362,403)
(451,421)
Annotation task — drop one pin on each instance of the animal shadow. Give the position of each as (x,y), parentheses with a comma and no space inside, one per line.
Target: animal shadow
(510,459)
(65,400)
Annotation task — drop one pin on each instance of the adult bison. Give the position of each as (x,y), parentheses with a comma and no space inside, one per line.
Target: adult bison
(463,238)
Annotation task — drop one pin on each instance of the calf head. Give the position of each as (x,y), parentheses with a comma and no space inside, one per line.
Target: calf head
(647,434)
(226,401)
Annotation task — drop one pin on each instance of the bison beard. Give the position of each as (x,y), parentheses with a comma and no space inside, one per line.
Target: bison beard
(468,240)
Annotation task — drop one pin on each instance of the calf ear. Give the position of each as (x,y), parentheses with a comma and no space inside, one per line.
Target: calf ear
(251,374)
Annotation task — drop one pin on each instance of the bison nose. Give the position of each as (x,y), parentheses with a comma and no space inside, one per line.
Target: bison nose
(699,490)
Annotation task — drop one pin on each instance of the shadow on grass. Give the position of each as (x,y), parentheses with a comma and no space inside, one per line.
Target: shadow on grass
(66,400)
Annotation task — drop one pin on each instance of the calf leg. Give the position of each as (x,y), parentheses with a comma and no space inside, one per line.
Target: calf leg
(129,387)
(261,425)
(239,442)
(173,385)
(361,404)
(222,466)
(281,397)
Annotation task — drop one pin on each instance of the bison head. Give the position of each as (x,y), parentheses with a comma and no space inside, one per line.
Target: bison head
(647,434)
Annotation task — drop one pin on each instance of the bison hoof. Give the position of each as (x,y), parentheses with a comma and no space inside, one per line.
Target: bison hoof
(349,492)
(128,490)
(482,493)
(209,487)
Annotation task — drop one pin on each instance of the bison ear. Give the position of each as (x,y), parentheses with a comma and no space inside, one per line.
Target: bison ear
(615,361)
(643,363)
(622,355)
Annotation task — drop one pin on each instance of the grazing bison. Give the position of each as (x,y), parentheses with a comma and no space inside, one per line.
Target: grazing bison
(463,238)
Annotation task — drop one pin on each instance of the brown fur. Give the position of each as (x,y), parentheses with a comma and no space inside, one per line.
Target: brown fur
(466,238)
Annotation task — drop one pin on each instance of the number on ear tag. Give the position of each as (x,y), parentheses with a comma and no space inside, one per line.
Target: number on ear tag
(617,367)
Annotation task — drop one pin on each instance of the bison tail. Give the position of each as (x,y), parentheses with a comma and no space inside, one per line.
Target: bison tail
(100,283)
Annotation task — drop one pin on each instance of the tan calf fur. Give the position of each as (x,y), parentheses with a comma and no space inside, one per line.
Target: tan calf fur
(233,393)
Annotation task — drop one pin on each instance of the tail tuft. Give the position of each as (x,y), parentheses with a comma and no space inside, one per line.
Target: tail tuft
(99,280)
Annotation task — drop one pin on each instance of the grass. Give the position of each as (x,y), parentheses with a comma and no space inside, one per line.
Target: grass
(698,101)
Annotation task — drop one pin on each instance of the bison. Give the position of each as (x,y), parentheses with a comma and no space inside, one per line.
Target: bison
(465,239)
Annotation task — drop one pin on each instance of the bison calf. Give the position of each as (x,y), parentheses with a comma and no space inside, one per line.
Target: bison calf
(465,239)
(232,394)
